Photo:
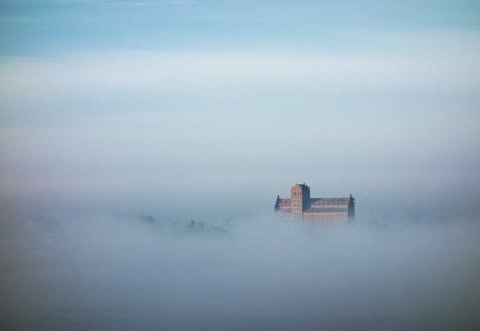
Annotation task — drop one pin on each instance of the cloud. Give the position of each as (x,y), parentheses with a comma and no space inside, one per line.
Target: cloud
(223,72)
(140,123)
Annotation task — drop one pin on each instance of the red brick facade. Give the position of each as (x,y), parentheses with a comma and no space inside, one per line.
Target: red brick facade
(301,206)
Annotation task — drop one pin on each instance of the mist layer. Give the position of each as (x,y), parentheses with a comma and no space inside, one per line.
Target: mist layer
(105,273)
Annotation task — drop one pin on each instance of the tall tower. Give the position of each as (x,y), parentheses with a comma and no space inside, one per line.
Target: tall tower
(300,197)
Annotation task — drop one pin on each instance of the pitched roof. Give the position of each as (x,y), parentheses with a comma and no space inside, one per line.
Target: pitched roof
(330,201)
(326,210)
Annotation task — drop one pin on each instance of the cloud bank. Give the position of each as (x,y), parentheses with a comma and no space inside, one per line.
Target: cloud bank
(114,132)
(104,273)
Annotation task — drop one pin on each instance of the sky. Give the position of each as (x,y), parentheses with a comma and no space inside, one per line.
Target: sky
(211,109)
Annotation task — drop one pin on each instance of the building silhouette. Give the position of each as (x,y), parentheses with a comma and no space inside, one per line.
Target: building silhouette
(301,206)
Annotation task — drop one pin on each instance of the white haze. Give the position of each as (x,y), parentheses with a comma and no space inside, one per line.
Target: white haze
(208,110)
(104,273)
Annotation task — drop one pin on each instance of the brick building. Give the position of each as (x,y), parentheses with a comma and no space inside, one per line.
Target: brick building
(301,206)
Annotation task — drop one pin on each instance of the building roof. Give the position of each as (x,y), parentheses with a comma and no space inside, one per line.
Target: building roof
(326,210)
(330,201)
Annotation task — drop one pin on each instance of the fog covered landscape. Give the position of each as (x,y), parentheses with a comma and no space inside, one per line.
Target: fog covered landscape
(123,121)
(107,273)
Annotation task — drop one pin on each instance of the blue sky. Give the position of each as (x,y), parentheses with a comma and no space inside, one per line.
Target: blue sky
(128,106)
(48,27)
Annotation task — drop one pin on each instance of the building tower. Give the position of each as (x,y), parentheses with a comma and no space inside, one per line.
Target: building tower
(300,197)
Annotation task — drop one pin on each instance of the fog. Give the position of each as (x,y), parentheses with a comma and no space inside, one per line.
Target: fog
(124,273)
(206,111)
